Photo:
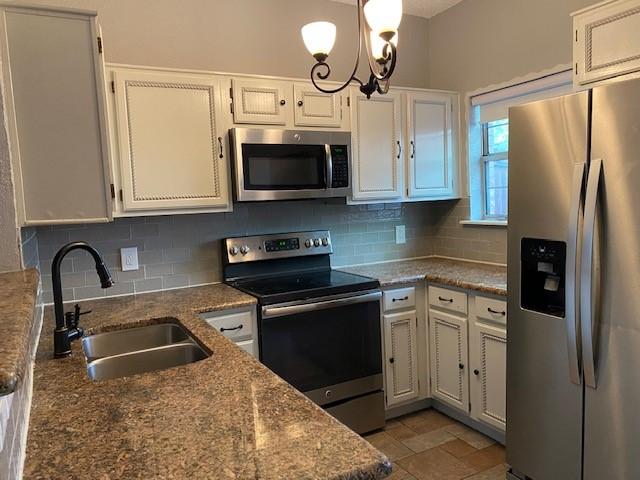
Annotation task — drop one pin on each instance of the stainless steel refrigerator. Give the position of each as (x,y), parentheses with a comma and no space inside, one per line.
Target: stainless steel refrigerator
(573,351)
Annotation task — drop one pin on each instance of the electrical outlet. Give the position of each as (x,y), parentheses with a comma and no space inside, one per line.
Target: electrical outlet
(401,235)
(129,258)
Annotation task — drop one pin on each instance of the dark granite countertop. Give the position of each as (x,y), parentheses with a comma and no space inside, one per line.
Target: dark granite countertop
(18,295)
(225,417)
(482,277)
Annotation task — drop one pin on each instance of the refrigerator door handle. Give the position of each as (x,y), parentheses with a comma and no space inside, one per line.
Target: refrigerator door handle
(572,309)
(587,314)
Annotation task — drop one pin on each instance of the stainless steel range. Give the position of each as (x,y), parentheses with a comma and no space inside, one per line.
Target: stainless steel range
(319,328)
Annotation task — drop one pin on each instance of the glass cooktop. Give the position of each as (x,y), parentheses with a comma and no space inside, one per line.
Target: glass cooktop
(291,287)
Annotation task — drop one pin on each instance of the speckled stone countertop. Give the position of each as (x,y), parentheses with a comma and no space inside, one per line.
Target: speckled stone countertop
(18,295)
(482,277)
(225,417)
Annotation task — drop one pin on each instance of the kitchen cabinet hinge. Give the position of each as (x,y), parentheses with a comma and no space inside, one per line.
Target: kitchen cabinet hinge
(231,92)
(113,86)
(576,35)
(348,101)
(576,68)
(113,191)
(99,44)
(231,107)
(121,196)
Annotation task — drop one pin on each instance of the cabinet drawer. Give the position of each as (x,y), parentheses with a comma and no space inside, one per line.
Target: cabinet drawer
(448,299)
(247,346)
(235,325)
(492,309)
(399,298)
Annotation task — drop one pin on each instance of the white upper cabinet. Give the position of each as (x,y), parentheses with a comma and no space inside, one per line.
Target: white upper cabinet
(170,141)
(261,101)
(449,359)
(432,119)
(316,109)
(55,105)
(606,41)
(400,347)
(376,140)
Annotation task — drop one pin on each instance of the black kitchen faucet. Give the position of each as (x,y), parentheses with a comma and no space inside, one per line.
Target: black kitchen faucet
(67,328)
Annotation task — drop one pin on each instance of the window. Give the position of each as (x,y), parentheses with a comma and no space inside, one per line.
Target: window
(495,147)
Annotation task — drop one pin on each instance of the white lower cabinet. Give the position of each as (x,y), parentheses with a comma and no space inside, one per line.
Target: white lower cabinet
(401,356)
(449,359)
(489,379)
(238,325)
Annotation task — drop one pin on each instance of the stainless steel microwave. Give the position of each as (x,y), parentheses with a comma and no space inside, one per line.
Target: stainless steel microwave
(271,164)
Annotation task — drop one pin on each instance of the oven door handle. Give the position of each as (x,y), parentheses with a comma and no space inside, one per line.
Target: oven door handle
(328,166)
(275,311)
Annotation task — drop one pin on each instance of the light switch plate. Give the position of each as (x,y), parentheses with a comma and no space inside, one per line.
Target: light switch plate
(129,258)
(401,234)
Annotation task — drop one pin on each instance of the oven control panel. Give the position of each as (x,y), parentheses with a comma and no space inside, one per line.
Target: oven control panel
(265,247)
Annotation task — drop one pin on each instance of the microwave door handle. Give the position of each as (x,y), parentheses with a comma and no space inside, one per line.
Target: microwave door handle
(588,316)
(328,166)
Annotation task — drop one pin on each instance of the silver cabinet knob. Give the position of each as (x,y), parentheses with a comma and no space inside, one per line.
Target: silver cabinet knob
(244,249)
(233,251)
(325,242)
(316,242)
(308,242)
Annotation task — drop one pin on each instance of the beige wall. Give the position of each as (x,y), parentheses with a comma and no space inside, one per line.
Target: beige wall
(241,36)
(9,235)
(479,43)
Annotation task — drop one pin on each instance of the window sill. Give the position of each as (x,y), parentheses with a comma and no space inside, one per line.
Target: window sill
(485,223)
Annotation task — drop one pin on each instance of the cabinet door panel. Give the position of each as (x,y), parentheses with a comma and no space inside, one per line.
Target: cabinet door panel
(449,365)
(55,104)
(316,109)
(377,148)
(606,42)
(168,141)
(431,152)
(489,350)
(401,357)
(260,101)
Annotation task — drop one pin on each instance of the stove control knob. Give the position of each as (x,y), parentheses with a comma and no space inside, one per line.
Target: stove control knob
(308,243)
(316,242)
(325,242)
(233,251)
(244,249)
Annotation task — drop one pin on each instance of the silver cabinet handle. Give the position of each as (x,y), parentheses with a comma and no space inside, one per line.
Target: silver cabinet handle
(329,166)
(572,312)
(587,314)
(272,311)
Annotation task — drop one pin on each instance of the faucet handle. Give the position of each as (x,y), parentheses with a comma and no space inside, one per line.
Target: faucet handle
(73,318)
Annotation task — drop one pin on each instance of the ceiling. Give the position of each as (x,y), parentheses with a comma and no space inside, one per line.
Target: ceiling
(420,8)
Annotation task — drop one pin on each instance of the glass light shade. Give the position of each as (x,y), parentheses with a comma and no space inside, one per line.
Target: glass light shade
(383,16)
(319,38)
(377,45)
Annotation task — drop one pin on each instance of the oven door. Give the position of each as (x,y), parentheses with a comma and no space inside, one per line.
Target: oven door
(328,348)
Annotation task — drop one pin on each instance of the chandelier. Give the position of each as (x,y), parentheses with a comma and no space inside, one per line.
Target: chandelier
(378,22)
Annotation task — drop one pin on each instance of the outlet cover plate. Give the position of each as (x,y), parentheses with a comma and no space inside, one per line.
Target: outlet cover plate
(129,258)
(401,234)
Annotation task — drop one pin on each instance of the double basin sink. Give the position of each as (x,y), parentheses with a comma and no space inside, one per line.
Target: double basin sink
(132,351)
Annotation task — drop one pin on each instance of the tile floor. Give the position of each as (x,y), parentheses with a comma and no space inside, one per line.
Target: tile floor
(428,445)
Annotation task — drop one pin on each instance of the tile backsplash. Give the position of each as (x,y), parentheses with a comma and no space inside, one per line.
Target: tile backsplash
(182,250)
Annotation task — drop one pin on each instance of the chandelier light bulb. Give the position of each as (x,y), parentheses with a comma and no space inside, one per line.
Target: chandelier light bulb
(384,16)
(377,46)
(319,38)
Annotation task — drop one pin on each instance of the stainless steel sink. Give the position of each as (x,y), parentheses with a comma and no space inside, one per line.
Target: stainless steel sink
(145,361)
(133,339)
(140,350)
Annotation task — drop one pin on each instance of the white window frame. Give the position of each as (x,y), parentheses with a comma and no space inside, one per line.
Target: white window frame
(486,158)
(545,83)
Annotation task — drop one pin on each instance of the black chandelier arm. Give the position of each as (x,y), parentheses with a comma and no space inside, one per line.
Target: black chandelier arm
(315,72)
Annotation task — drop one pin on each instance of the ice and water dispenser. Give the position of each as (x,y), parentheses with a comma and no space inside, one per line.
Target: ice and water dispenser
(542,280)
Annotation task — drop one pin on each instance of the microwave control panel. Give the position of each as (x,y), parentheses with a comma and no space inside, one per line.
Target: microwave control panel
(340,158)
